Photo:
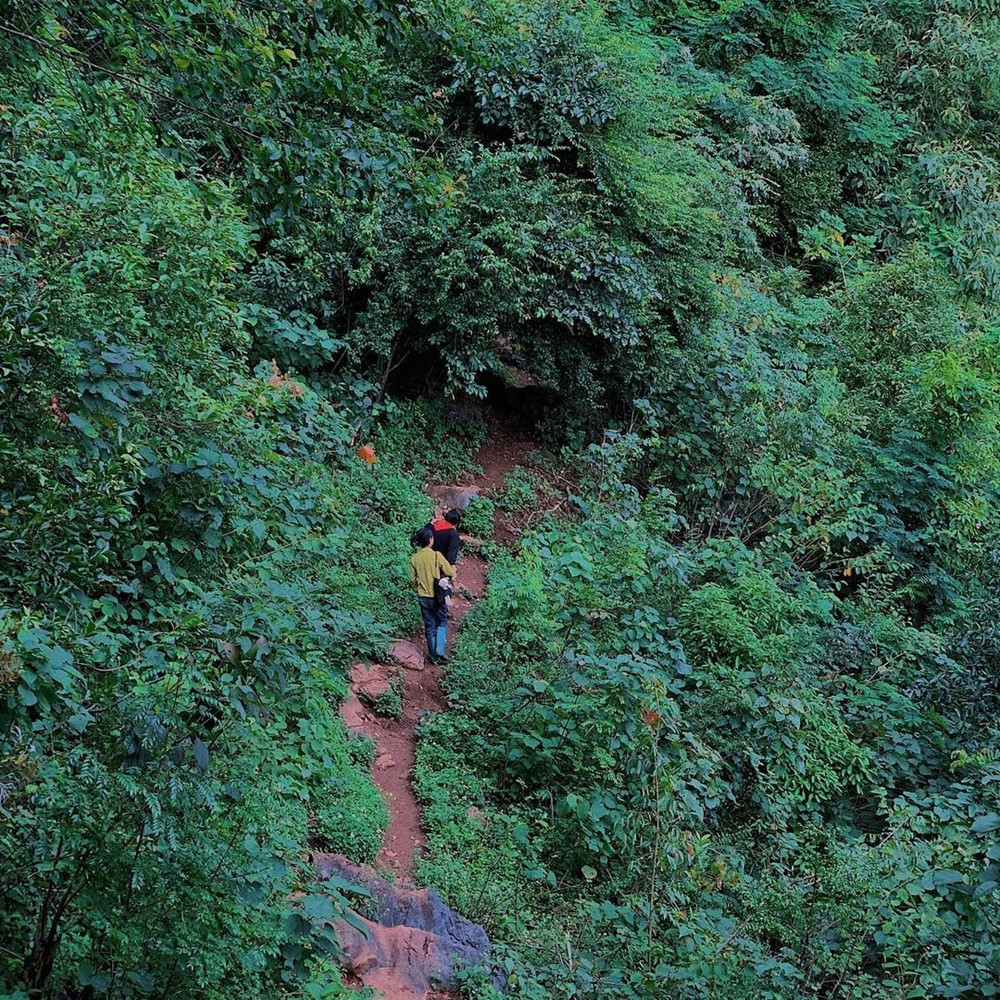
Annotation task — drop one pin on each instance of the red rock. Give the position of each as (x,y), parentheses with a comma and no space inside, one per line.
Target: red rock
(394,959)
(353,714)
(407,655)
(415,942)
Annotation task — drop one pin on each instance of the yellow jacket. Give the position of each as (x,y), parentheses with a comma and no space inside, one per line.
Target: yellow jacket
(428,565)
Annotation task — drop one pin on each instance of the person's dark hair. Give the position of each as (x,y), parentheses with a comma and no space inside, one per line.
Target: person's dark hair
(421,537)
(454,517)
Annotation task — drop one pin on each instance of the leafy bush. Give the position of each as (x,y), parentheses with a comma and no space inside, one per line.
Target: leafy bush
(390,701)
(362,748)
(632,698)
(478,518)
(520,491)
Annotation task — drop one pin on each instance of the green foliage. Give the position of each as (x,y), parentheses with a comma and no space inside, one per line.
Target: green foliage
(362,750)
(348,813)
(408,436)
(520,491)
(479,517)
(478,857)
(631,701)
(195,555)
(390,702)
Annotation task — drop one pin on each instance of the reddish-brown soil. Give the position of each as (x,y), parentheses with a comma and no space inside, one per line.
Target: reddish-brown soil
(503,451)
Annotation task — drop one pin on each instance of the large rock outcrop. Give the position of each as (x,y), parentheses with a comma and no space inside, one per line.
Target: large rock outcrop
(415,942)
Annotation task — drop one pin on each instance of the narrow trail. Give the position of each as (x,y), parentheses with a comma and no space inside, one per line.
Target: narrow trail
(412,941)
(395,739)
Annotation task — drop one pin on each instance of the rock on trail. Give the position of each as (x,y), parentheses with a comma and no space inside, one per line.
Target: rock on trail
(407,654)
(415,942)
(458,497)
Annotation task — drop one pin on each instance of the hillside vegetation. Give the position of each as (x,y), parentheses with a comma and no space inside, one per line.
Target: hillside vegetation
(726,721)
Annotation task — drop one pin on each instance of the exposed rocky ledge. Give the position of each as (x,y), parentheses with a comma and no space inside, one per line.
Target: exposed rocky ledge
(415,945)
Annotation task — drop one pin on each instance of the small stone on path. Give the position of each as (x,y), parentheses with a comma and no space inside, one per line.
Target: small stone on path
(407,655)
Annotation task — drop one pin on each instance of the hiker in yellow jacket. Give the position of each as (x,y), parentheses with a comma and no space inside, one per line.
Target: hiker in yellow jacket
(427,568)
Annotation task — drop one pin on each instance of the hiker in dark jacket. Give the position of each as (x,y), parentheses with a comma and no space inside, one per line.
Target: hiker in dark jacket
(446,540)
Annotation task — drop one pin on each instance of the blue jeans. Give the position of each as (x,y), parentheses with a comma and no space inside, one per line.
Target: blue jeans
(435,616)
